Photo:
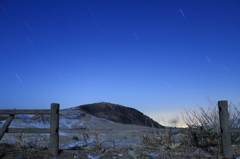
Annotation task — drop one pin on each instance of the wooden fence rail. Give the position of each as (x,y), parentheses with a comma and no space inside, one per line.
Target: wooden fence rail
(53,130)
(54,126)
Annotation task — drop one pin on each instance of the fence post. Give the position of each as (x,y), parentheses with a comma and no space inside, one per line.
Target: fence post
(225,129)
(5,126)
(54,128)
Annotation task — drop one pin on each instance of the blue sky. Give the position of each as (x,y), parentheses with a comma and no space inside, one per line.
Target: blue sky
(157,56)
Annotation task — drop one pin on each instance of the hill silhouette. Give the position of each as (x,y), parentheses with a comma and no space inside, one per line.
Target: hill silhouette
(4,117)
(119,113)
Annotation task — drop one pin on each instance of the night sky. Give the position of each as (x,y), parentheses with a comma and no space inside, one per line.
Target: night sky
(157,56)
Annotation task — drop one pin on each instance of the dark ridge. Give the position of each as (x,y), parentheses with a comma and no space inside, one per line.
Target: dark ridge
(4,117)
(119,113)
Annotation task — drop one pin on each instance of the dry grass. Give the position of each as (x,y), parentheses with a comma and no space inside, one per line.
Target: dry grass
(199,141)
(151,142)
(204,125)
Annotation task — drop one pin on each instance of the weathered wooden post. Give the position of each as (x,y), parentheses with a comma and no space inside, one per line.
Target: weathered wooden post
(5,126)
(54,126)
(225,129)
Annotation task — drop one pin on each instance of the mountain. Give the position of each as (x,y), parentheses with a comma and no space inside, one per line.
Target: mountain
(17,116)
(84,116)
(4,117)
(119,114)
(110,122)
(23,116)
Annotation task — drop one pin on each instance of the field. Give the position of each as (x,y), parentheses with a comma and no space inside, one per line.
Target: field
(122,141)
(98,138)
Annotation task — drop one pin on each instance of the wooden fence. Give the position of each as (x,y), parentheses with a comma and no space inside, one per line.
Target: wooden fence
(53,130)
(54,126)
(225,129)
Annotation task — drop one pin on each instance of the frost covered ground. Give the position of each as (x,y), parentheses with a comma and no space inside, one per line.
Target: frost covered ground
(73,122)
(98,138)
(78,129)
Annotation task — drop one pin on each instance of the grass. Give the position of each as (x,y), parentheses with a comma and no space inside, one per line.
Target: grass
(207,124)
(200,140)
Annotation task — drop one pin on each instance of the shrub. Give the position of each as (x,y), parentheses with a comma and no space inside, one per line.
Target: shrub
(204,125)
